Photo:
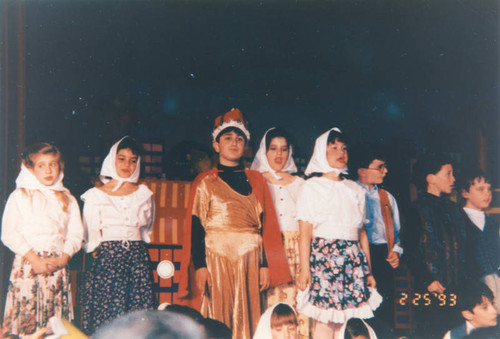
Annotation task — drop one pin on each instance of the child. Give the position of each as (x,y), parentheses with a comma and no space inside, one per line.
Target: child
(334,249)
(382,224)
(482,230)
(435,243)
(274,160)
(231,235)
(475,303)
(278,322)
(118,220)
(356,328)
(42,226)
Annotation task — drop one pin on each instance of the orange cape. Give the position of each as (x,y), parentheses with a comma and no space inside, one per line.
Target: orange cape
(271,236)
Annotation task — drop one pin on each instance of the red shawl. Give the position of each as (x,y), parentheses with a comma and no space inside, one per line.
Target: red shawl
(271,236)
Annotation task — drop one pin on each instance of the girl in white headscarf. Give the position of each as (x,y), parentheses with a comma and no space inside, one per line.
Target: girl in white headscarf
(41,224)
(278,322)
(274,160)
(118,220)
(335,281)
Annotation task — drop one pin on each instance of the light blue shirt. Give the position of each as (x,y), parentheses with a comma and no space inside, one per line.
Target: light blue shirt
(374,223)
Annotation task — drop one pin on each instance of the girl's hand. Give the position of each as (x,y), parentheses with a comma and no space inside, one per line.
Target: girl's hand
(264,279)
(304,279)
(202,277)
(38,265)
(58,262)
(370,281)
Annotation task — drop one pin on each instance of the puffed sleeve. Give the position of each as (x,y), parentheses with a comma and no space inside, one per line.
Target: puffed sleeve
(305,204)
(74,234)
(362,202)
(92,236)
(149,212)
(11,225)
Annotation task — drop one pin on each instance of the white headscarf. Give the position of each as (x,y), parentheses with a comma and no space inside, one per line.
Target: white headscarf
(26,179)
(318,162)
(371,332)
(261,164)
(108,168)
(264,327)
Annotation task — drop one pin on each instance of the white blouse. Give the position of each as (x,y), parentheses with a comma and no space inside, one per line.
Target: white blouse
(336,209)
(285,203)
(35,220)
(107,217)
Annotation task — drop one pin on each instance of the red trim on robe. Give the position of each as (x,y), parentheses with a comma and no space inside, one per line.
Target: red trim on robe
(271,237)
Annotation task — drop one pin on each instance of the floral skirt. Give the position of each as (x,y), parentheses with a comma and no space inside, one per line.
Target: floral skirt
(119,281)
(32,299)
(338,288)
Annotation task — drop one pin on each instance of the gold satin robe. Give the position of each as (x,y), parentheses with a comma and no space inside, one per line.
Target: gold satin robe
(234,252)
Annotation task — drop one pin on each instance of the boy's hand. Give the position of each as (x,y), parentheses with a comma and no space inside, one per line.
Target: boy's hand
(370,281)
(264,279)
(393,259)
(202,279)
(304,279)
(436,286)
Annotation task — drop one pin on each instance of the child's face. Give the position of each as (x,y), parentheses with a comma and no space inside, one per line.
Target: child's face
(336,154)
(479,195)
(277,154)
(125,162)
(443,180)
(482,315)
(284,331)
(374,174)
(46,168)
(230,148)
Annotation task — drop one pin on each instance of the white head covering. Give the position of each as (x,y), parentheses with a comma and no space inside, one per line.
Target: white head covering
(371,332)
(318,162)
(264,327)
(26,179)
(261,164)
(108,168)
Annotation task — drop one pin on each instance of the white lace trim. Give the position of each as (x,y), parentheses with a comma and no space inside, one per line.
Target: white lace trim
(332,315)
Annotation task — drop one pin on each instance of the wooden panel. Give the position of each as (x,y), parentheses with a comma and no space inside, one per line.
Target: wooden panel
(171,198)
(403,313)
(166,289)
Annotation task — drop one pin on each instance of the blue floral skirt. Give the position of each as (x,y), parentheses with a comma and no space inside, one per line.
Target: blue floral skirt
(338,288)
(119,281)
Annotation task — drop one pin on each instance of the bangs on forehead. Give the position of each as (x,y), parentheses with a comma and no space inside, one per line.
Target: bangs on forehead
(277,133)
(283,314)
(336,136)
(229,130)
(131,144)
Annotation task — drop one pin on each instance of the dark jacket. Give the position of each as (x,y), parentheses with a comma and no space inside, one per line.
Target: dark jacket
(484,247)
(435,242)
